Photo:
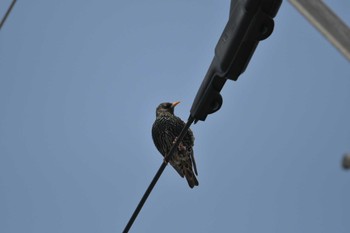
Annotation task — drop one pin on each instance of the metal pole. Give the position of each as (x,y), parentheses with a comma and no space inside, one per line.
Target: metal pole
(326,22)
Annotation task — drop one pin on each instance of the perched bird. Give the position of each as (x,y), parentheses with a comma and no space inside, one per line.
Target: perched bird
(166,128)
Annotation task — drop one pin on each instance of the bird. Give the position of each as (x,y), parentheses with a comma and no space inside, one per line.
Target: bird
(165,130)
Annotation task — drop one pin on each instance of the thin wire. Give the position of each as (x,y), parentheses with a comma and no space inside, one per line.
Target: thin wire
(7,13)
(158,174)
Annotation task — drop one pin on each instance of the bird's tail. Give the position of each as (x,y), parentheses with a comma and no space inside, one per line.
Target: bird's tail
(190,177)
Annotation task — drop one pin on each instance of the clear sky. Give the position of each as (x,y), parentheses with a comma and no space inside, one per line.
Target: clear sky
(79,84)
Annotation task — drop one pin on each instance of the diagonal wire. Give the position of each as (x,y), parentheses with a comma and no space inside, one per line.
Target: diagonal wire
(7,13)
(158,174)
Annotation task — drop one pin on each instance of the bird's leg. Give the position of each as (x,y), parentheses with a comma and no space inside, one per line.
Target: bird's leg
(181,146)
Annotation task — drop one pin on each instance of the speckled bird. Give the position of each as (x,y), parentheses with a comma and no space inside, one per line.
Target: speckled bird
(166,128)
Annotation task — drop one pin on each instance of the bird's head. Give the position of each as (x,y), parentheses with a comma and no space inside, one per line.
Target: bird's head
(165,108)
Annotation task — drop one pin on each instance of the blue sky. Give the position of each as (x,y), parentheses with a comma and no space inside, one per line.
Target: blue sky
(79,84)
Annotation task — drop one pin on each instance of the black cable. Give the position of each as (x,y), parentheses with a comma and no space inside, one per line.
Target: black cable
(7,13)
(158,174)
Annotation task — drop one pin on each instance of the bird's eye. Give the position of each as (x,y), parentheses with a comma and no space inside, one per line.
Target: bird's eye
(167,105)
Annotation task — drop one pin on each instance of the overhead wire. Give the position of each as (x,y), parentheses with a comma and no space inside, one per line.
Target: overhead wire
(7,13)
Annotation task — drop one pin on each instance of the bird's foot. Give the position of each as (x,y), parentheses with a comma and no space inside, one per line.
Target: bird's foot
(181,146)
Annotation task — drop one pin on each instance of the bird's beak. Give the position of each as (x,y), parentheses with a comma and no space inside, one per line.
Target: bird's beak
(174,104)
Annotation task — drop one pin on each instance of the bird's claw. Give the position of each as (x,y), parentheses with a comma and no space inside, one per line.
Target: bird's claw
(181,146)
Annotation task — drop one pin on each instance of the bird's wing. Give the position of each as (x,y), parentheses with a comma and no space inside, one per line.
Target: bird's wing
(193,163)
(191,142)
